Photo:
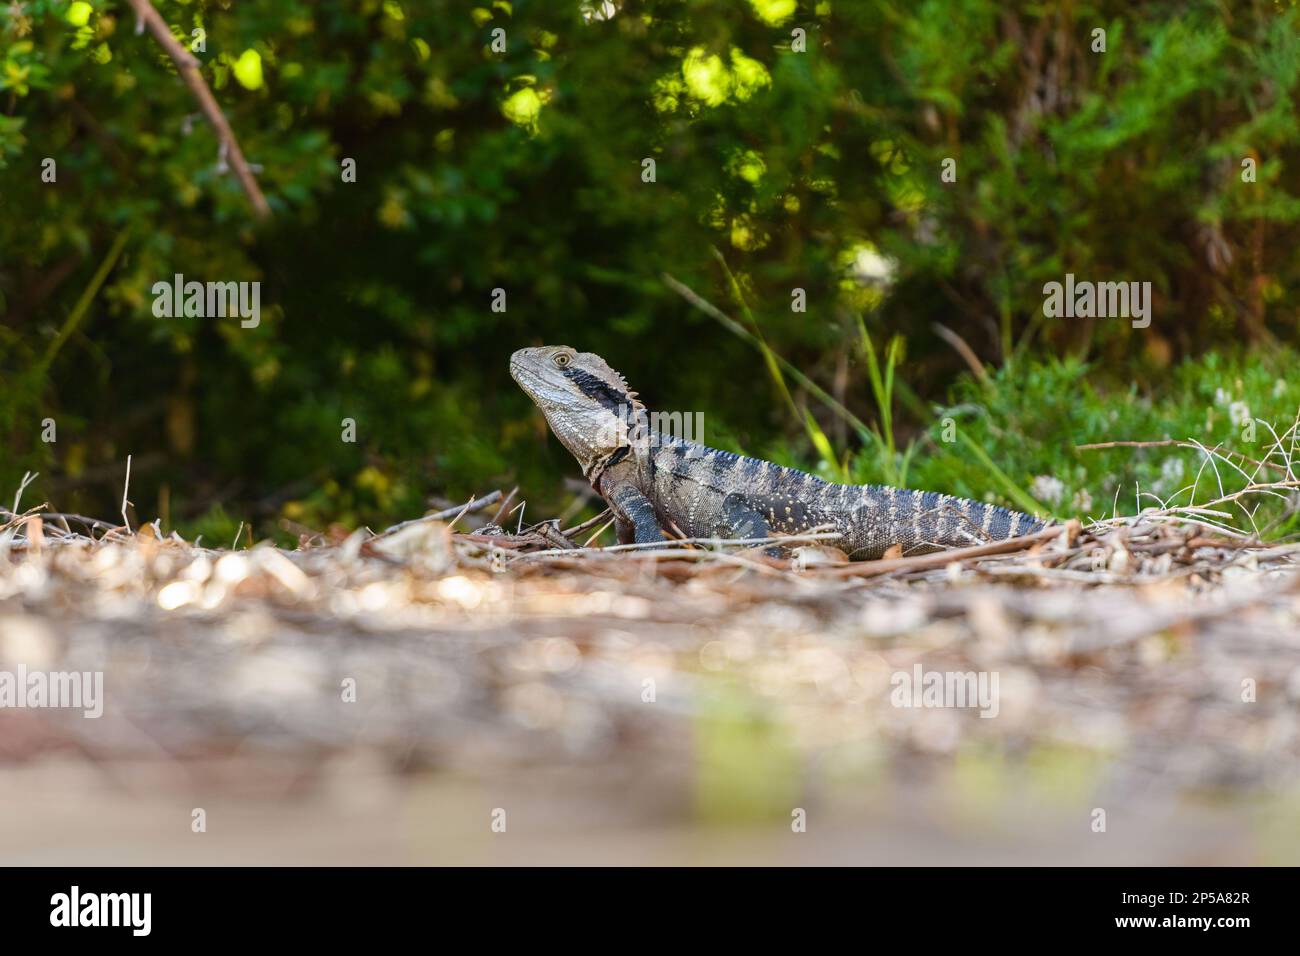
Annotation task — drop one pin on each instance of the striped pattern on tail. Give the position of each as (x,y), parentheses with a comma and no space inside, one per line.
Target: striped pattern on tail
(942,521)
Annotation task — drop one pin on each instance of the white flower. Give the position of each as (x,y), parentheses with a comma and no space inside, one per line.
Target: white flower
(871,268)
(1239,413)
(1048,489)
(1171,477)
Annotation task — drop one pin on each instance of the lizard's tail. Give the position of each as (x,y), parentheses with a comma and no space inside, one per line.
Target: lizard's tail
(977,523)
(925,521)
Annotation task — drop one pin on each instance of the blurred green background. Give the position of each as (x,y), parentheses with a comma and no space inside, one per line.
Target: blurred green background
(783,160)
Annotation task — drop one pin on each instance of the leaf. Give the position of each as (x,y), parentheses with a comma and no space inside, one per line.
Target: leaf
(248,70)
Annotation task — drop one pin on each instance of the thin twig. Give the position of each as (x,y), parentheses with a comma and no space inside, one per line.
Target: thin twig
(188,67)
(589,523)
(814,534)
(557,557)
(28,478)
(496,518)
(459,511)
(599,532)
(965,351)
(709,309)
(93,524)
(1170,443)
(126,486)
(82,305)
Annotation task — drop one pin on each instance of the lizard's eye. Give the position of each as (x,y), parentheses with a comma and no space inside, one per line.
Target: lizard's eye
(562,359)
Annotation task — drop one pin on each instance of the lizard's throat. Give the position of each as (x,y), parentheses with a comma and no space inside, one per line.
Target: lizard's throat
(596,440)
(588,439)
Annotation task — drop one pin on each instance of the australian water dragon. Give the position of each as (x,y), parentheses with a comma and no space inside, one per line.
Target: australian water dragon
(660,486)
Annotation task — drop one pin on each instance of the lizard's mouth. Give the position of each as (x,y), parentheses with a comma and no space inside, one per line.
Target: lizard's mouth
(527,379)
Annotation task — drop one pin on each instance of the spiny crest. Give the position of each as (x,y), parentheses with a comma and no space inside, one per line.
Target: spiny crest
(597,366)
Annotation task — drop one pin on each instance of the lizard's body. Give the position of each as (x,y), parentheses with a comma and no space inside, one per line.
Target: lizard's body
(660,486)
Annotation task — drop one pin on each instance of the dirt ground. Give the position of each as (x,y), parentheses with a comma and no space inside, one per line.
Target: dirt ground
(430,697)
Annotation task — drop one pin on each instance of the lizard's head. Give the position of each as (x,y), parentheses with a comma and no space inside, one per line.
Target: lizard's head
(587,404)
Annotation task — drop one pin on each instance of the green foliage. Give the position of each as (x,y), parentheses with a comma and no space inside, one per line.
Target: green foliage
(523,170)
(1030,422)
(882,389)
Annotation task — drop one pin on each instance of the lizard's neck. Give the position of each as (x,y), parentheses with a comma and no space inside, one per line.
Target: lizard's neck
(635,445)
(593,470)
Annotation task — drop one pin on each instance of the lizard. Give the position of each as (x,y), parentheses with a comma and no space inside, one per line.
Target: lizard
(659,485)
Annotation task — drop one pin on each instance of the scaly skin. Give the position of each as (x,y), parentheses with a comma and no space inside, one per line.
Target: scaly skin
(660,487)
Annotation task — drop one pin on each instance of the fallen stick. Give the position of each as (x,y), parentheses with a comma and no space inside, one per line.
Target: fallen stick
(813,535)
(589,523)
(17,518)
(93,523)
(458,511)
(502,511)
(923,562)
(549,531)
(563,559)
(507,542)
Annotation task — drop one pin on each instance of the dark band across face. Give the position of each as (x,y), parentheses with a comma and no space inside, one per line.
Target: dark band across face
(599,390)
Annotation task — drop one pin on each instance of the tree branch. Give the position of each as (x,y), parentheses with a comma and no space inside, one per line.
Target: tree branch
(188,67)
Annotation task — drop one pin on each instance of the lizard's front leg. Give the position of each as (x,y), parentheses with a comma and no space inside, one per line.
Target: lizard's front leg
(634,516)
